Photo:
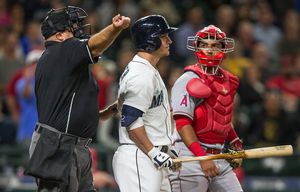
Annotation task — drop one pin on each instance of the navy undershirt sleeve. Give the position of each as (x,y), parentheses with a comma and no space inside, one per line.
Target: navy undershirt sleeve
(129,115)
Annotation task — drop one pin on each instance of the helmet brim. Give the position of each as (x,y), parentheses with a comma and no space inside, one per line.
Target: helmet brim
(171,29)
(166,31)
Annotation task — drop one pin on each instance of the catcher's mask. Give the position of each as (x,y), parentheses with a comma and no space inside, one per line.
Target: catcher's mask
(147,30)
(68,18)
(209,46)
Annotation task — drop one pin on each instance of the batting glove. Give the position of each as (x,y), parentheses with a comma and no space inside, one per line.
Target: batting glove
(160,159)
(173,154)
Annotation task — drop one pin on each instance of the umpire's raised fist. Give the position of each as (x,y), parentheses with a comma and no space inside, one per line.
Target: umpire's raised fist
(121,22)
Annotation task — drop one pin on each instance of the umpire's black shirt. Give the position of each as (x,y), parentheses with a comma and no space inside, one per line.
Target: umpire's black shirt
(65,89)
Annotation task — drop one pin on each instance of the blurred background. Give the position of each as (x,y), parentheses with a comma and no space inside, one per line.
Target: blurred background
(266,59)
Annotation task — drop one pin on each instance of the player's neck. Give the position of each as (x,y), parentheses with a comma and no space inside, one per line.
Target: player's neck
(153,60)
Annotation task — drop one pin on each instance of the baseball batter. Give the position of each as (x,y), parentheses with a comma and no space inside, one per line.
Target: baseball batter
(140,162)
(202,101)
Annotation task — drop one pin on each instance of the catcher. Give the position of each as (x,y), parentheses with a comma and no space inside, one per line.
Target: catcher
(202,101)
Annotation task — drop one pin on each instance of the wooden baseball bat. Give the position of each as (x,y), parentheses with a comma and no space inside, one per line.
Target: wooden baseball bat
(274,151)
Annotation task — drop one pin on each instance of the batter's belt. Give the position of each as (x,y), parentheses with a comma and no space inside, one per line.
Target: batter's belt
(162,148)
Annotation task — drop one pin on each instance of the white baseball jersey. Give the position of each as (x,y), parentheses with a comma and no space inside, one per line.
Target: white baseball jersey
(142,87)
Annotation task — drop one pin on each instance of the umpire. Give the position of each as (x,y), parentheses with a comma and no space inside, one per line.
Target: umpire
(67,100)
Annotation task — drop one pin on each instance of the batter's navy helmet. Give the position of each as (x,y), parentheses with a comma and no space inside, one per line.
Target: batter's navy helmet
(146,31)
(67,18)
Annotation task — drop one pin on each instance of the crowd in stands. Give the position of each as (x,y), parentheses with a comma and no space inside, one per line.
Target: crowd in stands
(266,59)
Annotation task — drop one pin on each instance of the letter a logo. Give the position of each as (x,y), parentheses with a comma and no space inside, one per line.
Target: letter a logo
(184,101)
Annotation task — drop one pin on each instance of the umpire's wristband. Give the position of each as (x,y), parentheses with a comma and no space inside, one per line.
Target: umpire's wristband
(196,149)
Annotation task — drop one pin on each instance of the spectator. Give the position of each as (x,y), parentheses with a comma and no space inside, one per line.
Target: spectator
(251,88)
(265,31)
(287,81)
(104,13)
(26,98)
(7,128)
(225,19)
(11,96)
(290,41)
(17,13)
(32,38)
(11,60)
(194,20)
(161,7)
(251,95)
(273,125)
(5,16)
(246,38)
(261,58)
(109,8)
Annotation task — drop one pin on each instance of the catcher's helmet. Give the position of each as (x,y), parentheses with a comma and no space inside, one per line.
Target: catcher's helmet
(67,18)
(210,32)
(146,31)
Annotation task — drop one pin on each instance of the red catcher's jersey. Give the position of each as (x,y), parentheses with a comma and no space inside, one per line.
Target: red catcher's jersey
(212,118)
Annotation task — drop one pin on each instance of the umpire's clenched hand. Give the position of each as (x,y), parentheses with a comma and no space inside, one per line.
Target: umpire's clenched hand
(120,22)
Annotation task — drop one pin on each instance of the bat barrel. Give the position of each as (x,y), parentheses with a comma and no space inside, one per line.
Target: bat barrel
(275,151)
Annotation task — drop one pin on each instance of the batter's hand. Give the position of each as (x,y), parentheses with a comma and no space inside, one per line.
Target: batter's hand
(173,154)
(160,159)
(120,22)
(108,112)
(209,168)
(235,163)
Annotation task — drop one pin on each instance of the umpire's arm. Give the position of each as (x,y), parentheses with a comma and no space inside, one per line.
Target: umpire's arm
(100,41)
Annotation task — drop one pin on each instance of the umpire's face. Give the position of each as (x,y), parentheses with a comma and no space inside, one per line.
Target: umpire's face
(164,49)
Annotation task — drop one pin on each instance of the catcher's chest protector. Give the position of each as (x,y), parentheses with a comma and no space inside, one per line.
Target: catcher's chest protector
(214,114)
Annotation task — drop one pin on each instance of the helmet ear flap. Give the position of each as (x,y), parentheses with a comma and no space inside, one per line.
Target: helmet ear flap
(150,47)
(157,42)
(153,44)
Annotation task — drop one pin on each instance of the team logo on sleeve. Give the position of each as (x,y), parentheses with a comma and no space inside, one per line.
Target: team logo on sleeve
(184,101)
